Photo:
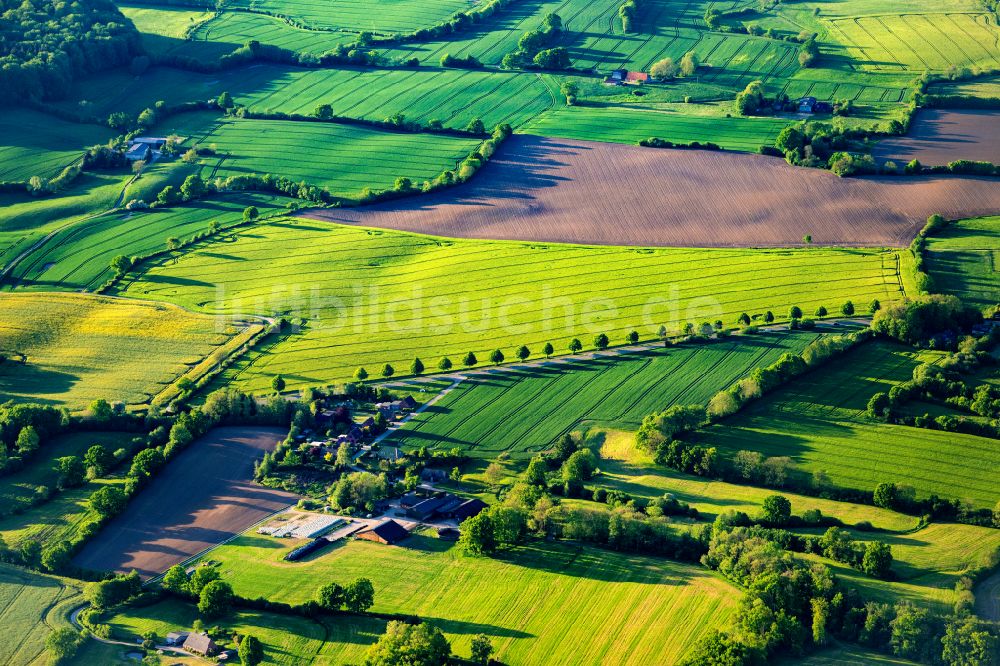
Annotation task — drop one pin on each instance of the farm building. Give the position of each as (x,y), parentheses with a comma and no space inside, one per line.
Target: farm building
(432,474)
(468,509)
(636,78)
(176,637)
(388,532)
(154,142)
(812,105)
(138,151)
(445,507)
(200,644)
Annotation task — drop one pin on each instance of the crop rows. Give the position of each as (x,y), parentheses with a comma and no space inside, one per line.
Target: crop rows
(356,15)
(36,144)
(237,28)
(964,260)
(615,391)
(25,599)
(374,297)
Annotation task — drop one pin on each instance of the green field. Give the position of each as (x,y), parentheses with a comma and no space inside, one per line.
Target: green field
(288,639)
(17,489)
(818,421)
(626,468)
(514,293)
(382,16)
(611,390)
(37,144)
(164,29)
(80,348)
(79,256)
(848,655)
(963,259)
(57,519)
(232,30)
(342,158)
(30,605)
(545,598)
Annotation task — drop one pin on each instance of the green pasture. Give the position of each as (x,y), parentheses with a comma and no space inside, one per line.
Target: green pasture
(232,30)
(380,16)
(165,29)
(17,489)
(964,259)
(370,297)
(27,602)
(624,467)
(981,87)
(38,144)
(818,421)
(79,256)
(57,519)
(342,158)
(610,390)
(847,655)
(79,348)
(543,598)
(288,639)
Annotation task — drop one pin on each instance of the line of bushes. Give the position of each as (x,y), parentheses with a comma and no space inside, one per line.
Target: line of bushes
(654,142)
(395,123)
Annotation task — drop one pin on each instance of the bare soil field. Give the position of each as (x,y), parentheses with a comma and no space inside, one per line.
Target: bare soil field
(203,497)
(939,136)
(557,190)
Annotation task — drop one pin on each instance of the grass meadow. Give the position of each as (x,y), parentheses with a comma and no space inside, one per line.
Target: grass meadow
(57,519)
(28,605)
(342,158)
(38,144)
(80,348)
(818,421)
(545,598)
(964,259)
(382,16)
(370,297)
(610,390)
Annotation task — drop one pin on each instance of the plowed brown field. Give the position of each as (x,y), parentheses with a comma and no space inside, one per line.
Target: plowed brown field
(938,136)
(540,189)
(200,499)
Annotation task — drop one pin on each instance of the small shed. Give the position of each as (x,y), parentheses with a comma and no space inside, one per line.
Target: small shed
(807,105)
(200,644)
(388,532)
(176,637)
(618,75)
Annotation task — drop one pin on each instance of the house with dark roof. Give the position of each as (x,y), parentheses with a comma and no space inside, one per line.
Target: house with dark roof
(427,509)
(388,532)
(807,104)
(408,403)
(138,151)
(200,644)
(468,509)
(176,637)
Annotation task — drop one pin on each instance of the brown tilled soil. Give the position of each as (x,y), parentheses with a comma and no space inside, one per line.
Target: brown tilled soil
(202,497)
(557,190)
(938,136)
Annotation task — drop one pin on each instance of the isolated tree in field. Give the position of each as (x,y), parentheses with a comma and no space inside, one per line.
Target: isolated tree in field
(361,374)
(877,560)
(886,495)
(807,239)
(663,69)
(476,126)
(417,367)
(768,317)
(718,324)
(633,337)
(215,599)
(175,580)
(493,474)
(523,353)
(251,651)
(278,383)
(27,440)
(173,243)
(874,306)
(387,371)
(570,91)
(323,112)
(535,474)
(71,471)
(108,501)
(548,349)
(689,63)
(409,645)
(482,648)
(821,311)
(496,357)
(601,341)
(575,345)
(795,312)
(744,319)
(120,265)
(445,364)
(847,309)
(470,360)
(776,510)
(359,595)
(250,213)
(224,100)
(138,166)
(662,333)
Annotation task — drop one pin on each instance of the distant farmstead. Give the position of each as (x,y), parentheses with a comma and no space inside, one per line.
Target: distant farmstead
(200,644)
(388,532)
(636,78)
(620,77)
(144,148)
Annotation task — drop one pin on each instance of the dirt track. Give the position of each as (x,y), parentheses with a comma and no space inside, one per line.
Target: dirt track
(939,136)
(203,497)
(557,190)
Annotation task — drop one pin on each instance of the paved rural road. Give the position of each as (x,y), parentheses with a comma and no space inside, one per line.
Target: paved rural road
(988,598)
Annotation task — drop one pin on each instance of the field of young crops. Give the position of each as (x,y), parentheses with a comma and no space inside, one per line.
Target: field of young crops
(26,600)
(818,422)
(545,598)
(381,16)
(342,158)
(237,28)
(17,490)
(79,256)
(37,144)
(964,259)
(78,348)
(164,29)
(611,390)
(629,125)
(919,42)
(370,297)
